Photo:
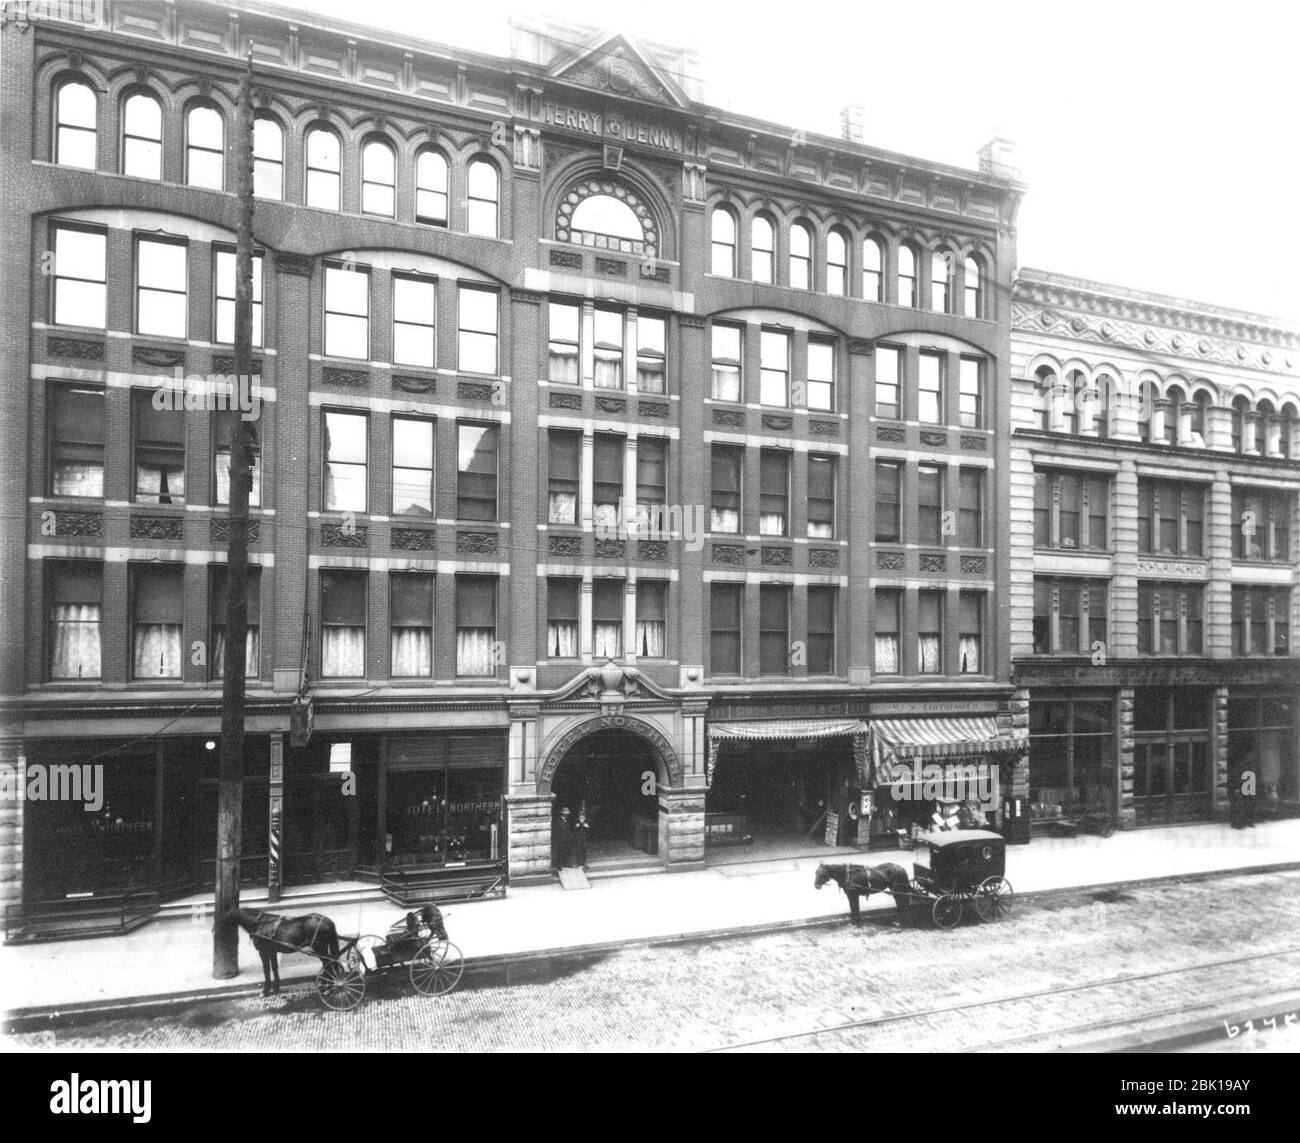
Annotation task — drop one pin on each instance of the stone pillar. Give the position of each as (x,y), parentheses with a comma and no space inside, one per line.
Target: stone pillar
(1159,413)
(1185,411)
(1218,428)
(1250,434)
(1219,752)
(1121,631)
(1272,437)
(1124,759)
(1220,527)
(681,827)
(528,837)
(13,781)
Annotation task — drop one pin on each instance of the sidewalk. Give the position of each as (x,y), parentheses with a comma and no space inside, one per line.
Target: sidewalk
(174,958)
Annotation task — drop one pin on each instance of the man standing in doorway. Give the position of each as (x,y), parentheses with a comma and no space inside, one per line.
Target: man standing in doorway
(562,839)
(580,831)
(1242,779)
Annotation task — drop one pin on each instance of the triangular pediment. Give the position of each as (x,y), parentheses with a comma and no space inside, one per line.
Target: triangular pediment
(614,64)
(629,685)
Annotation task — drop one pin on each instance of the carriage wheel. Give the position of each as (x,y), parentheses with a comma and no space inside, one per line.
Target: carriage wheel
(341,984)
(947,910)
(437,968)
(993,899)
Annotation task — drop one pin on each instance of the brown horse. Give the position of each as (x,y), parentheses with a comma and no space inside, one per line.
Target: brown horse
(313,934)
(863,880)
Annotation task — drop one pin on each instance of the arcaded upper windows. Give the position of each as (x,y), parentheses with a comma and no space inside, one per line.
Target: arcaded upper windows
(74,125)
(906,275)
(322,154)
(837,263)
(142,137)
(723,231)
(873,261)
(607,222)
(939,263)
(377,179)
(801,256)
(481,202)
(268,158)
(973,278)
(431,188)
(762,249)
(205,148)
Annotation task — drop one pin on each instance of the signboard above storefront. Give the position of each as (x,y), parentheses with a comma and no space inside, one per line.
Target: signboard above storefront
(609,125)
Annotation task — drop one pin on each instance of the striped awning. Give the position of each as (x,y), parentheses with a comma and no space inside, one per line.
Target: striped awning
(942,737)
(788,728)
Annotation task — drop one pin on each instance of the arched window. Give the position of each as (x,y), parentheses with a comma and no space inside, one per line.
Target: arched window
(906,275)
(1102,396)
(873,261)
(1173,414)
(1200,416)
(762,249)
(1240,408)
(837,263)
(482,198)
(1268,429)
(801,256)
(723,235)
(1288,441)
(205,148)
(974,288)
(268,158)
(1049,392)
(377,178)
(322,154)
(431,188)
(939,262)
(607,222)
(142,137)
(74,125)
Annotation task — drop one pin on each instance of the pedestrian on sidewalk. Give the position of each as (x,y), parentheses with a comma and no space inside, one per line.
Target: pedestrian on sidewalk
(581,830)
(1243,777)
(562,839)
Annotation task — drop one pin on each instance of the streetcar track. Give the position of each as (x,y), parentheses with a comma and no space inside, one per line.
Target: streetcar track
(965,1006)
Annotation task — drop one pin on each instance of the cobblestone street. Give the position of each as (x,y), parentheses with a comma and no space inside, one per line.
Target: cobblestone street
(1241,932)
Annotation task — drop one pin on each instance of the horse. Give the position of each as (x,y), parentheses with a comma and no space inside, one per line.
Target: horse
(272,933)
(863,880)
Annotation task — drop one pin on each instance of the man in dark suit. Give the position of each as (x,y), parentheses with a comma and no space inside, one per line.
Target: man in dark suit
(562,839)
(1243,778)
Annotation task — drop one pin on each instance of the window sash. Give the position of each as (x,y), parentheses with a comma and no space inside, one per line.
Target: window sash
(725,488)
(887,382)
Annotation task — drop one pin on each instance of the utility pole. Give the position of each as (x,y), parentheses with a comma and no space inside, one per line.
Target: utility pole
(225,932)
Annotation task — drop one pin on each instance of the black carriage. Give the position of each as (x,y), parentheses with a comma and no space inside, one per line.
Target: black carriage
(959,870)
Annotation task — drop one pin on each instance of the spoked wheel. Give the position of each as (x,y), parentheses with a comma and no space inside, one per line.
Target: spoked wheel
(993,899)
(437,968)
(341,984)
(947,910)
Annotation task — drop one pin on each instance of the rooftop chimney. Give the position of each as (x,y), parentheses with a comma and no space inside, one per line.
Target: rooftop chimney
(853,123)
(998,157)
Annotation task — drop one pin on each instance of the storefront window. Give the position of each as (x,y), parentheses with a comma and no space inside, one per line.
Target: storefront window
(1071,757)
(1262,730)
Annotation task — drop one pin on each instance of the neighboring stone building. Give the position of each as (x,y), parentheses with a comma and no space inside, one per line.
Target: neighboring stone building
(1154,529)
(614,450)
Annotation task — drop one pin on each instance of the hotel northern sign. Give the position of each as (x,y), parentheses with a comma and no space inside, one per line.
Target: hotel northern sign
(609,126)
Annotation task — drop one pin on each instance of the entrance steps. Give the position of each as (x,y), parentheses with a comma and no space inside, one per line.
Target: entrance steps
(574,878)
(623,866)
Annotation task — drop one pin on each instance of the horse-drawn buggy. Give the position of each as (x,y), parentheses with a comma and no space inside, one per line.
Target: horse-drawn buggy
(952,871)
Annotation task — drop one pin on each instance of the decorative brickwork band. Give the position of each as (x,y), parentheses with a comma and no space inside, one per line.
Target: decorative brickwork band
(477,543)
(731,418)
(933,562)
(728,554)
(861,346)
(978,444)
(78,524)
(934,440)
(565,401)
(823,557)
(221,364)
(894,433)
(219,530)
(349,378)
(656,550)
(75,347)
(975,565)
(774,557)
(570,546)
(611,404)
(611,267)
(414,384)
(889,561)
(824,428)
(413,539)
(778,424)
(569,259)
(157,527)
(656,409)
(473,391)
(161,358)
(343,536)
(611,549)
(295,264)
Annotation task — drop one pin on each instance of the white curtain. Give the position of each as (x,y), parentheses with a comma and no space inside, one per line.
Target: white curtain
(250,652)
(606,516)
(887,654)
(609,371)
(819,530)
(726,385)
(771,524)
(608,641)
(223,481)
(969,653)
(562,640)
(564,365)
(73,478)
(650,638)
(564,508)
(474,651)
(725,520)
(158,482)
(928,648)
(157,651)
(412,651)
(650,377)
(76,641)
(343,652)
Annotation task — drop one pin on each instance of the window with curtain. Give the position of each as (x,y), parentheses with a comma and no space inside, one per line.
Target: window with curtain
(801,274)
(651,486)
(476,475)
(607,618)
(970,507)
(563,354)
(821,497)
(821,374)
(906,275)
(378,179)
(774,629)
(725,488)
(205,148)
(887,359)
(939,281)
(608,349)
(837,263)
(651,618)
(223,426)
(321,153)
(929,389)
(821,630)
(76,445)
(412,466)
(650,353)
(347,312)
(410,621)
(476,625)
(156,610)
(929,503)
(774,492)
(161,283)
(343,624)
(607,479)
(886,615)
(345,449)
(1070,615)
(431,188)
(74,125)
(973,283)
(970,636)
(562,616)
(414,316)
(80,276)
(218,594)
(224,331)
(564,453)
(142,136)
(929,632)
(762,249)
(774,368)
(889,501)
(477,330)
(268,158)
(159,446)
(74,590)
(726,362)
(873,262)
(723,242)
(725,602)
(970,393)
(482,198)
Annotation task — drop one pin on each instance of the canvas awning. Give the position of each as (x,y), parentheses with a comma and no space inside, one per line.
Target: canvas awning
(788,728)
(942,737)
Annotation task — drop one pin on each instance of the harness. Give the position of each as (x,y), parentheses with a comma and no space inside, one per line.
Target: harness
(277,923)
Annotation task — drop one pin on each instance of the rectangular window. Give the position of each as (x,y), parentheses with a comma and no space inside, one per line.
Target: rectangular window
(970,396)
(156,610)
(160,288)
(412,466)
(345,448)
(821,375)
(821,497)
(1069,616)
(1071,511)
(774,492)
(476,472)
(224,319)
(414,309)
(607,479)
(651,339)
(1261,621)
(159,464)
(887,382)
(1261,524)
(929,389)
(562,617)
(410,624)
(929,503)
(607,618)
(651,485)
(76,445)
(80,276)
(929,632)
(889,501)
(477,653)
(343,624)
(725,491)
(774,629)
(725,604)
(217,600)
(1170,618)
(564,361)
(608,350)
(970,634)
(726,362)
(1171,518)
(651,618)
(75,592)
(888,605)
(774,368)
(563,476)
(821,630)
(223,426)
(970,507)
(477,333)
(347,312)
